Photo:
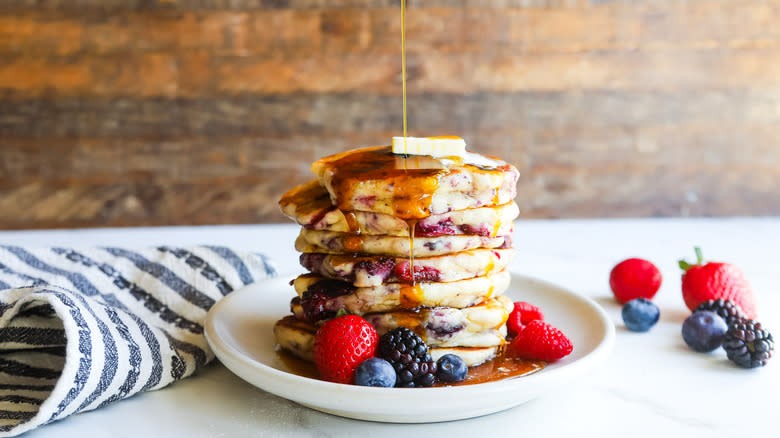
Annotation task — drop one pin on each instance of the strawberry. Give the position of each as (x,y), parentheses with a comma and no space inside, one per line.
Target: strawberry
(341,344)
(540,341)
(522,314)
(712,281)
(634,278)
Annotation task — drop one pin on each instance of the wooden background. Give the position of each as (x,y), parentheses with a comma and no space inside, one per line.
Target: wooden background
(151,112)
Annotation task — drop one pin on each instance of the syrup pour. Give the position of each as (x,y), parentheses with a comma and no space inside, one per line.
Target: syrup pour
(411,223)
(403,65)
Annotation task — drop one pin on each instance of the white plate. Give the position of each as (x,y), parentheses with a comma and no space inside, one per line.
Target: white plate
(239,329)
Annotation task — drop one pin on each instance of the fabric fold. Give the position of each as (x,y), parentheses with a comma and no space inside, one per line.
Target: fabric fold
(83,327)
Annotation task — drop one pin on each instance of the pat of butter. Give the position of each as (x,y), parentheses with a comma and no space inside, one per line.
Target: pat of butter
(433,146)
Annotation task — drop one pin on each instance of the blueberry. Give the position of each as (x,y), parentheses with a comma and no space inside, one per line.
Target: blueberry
(704,331)
(640,314)
(451,368)
(375,372)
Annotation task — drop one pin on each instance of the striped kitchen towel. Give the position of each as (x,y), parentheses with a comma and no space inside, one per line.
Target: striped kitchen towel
(81,328)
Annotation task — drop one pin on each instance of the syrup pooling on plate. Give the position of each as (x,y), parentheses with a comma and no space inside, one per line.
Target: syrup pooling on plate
(500,368)
(494,370)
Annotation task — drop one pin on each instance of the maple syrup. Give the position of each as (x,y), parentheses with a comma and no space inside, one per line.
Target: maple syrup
(500,368)
(414,179)
(411,295)
(403,66)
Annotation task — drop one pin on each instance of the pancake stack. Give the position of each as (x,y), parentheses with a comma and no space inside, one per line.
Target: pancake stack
(411,241)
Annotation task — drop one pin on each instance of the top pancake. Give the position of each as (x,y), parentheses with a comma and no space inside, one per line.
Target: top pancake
(376,180)
(309,204)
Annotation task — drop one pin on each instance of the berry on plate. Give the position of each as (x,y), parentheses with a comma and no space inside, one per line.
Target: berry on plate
(540,341)
(522,314)
(748,345)
(409,356)
(640,314)
(341,344)
(634,278)
(451,368)
(375,372)
(711,281)
(704,331)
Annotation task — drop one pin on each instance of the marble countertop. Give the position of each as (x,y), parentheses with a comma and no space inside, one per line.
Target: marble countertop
(652,384)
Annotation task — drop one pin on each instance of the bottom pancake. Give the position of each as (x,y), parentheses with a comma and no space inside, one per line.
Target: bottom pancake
(297,338)
(476,326)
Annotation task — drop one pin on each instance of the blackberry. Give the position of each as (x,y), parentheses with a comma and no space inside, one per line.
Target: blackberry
(748,345)
(730,312)
(408,354)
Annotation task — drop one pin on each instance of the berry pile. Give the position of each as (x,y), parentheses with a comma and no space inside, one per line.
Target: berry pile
(348,350)
(719,296)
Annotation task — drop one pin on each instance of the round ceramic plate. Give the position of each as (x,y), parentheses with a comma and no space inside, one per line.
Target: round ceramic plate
(239,329)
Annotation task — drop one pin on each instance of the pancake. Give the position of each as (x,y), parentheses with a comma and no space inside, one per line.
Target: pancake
(367,271)
(477,326)
(297,338)
(376,180)
(471,355)
(320,298)
(329,242)
(309,204)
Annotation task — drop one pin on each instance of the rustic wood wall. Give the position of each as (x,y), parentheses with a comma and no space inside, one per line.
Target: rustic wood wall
(142,112)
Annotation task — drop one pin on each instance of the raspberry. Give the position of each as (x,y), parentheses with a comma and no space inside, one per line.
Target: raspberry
(341,345)
(422,274)
(540,341)
(634,278)
(522,314)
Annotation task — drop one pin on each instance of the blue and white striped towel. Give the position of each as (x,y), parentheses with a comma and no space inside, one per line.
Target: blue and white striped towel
(81,328)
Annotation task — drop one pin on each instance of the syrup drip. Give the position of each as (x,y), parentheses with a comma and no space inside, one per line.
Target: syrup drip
(411,295)
(490,293)
(411,298)
(353,243)
(496,197)
(352,222)
(490,266)
(496,228)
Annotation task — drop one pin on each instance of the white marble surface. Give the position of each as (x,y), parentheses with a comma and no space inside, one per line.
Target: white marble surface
(653,385)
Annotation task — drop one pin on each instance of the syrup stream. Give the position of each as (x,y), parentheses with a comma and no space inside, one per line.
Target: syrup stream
(403,93)
(403,65)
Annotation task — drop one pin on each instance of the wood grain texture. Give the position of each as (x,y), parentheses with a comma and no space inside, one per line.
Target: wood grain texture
(153,112)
